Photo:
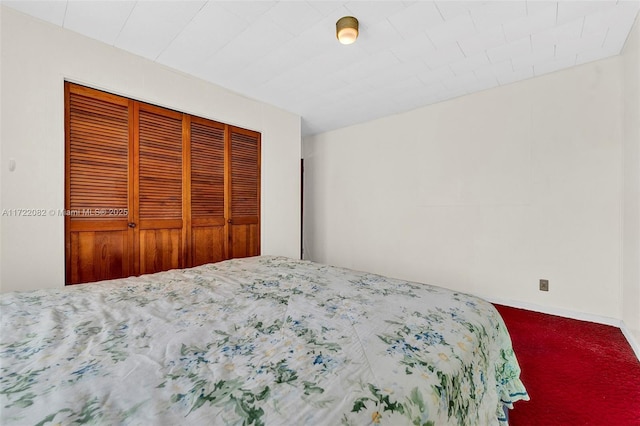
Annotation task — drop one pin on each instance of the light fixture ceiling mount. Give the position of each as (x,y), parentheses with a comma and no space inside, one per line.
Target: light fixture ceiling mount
(347,29)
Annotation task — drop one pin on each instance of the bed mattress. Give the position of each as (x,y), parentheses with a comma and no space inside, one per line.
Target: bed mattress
(256,341)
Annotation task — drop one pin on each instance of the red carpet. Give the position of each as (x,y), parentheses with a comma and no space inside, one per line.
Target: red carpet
(576,372)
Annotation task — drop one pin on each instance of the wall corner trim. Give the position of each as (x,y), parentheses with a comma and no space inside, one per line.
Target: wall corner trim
(631,338)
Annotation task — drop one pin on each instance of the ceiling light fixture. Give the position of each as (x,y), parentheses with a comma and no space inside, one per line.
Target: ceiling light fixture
(347,29)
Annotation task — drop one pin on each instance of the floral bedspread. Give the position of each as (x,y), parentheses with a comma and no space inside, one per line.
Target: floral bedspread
(264,340)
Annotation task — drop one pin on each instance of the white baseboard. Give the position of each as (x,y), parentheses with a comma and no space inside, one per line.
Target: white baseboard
(566,313)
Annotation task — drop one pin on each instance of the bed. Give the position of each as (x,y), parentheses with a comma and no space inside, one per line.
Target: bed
(257,341)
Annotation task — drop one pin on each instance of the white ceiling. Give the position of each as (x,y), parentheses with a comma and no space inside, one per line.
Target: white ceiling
(409,53)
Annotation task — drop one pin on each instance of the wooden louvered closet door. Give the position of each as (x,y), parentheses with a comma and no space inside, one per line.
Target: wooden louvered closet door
(208,224)
(244,197)
(150,189)
(98,240)
(158,216)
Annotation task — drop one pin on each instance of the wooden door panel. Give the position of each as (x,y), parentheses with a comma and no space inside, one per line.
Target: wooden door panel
(160,164)
(159,222)
(98,145)
(207,169)
(245,174)
(245,240)
(208,244)
(160,250)
(97,185)
(207,155)
(98,255)
(244,192)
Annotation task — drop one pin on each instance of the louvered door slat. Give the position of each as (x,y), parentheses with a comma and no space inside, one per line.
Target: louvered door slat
(207,171)
(99,143)
(245,175)
(160,166)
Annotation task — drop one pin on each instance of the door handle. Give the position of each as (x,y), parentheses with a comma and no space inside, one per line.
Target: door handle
(131,225)
(229,221)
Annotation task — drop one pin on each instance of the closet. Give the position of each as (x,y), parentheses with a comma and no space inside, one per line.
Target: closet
(150,189)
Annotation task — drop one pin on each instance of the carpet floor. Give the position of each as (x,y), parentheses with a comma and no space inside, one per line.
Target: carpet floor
(576,372)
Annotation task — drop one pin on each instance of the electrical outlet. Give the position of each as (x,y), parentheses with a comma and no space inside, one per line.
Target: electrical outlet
(544,285)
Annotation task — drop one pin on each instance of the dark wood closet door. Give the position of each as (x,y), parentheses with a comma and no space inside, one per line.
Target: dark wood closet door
(97,194)
(150,189)
(208,224)
(244,188)
(158,217)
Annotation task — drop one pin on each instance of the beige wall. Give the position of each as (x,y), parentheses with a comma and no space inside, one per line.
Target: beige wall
(36,58)
(486,193)
(631,184)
